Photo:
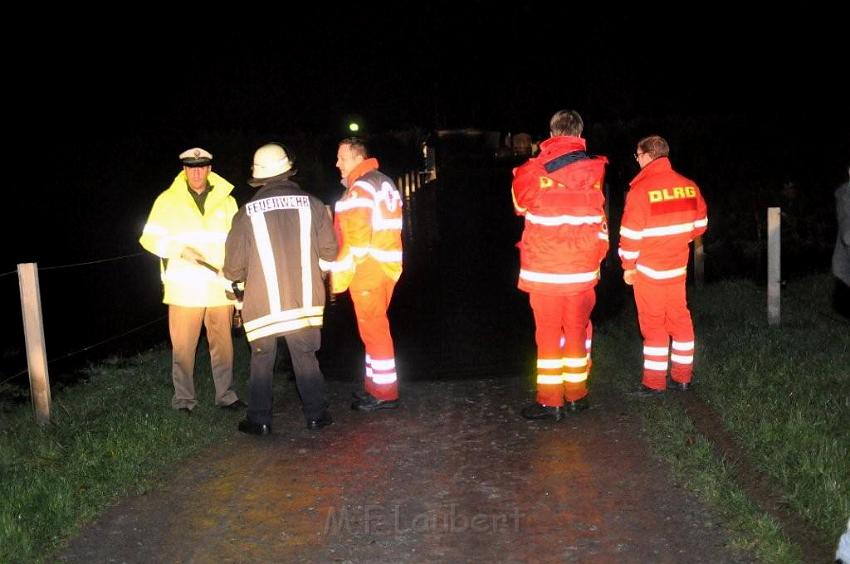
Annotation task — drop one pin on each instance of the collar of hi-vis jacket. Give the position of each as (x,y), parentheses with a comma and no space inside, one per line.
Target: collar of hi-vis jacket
(219,188)
(661,164)
(559,145)
(360,170)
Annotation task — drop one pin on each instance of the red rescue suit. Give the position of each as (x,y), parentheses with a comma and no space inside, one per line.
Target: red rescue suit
(559,193)
(368,222)
(664,212)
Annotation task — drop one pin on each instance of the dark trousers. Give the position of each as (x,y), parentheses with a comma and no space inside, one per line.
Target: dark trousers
(302,345)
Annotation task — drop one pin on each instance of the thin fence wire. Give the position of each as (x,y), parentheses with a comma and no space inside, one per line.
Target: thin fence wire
(73,265)
(94,345)
(89,347)
(76,264)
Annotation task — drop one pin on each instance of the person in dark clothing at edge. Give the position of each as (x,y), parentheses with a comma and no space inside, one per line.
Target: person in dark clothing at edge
(841,254)
(280,244)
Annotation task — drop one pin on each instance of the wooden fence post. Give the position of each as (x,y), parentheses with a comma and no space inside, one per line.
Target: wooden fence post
(774,271)
(34,336)
(699,262)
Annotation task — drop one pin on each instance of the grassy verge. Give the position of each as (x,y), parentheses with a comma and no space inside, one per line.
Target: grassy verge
(115,434)
(784,393)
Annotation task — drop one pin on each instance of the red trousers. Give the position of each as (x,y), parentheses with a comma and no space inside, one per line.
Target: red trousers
(562,365)
(663,314)
(370,307)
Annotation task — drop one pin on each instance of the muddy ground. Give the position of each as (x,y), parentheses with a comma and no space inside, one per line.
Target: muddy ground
(454,475)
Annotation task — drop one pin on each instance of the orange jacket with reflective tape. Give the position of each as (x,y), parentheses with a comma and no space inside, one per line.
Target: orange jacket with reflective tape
(559,193)
(664,212)
(368,223)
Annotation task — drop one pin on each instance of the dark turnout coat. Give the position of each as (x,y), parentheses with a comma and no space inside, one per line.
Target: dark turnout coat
(279,245)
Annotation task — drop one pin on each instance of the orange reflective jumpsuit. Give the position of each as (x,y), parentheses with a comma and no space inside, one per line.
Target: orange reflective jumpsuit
(368,222)
(664,212)
(559,193)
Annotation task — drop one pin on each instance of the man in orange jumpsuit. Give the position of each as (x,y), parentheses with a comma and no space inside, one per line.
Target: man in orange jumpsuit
(368,223)
(559,193)
(664,212)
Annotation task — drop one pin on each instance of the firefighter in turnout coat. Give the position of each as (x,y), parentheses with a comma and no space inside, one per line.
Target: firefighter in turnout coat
(559,193)
(664,212)
(279,245)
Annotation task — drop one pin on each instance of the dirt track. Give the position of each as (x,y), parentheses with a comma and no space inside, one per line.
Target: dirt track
(454,475)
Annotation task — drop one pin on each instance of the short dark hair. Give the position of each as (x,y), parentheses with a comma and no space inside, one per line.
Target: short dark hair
(357,145)
(655,146)
(566,122)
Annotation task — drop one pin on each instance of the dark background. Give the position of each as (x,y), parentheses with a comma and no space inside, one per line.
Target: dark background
(95,120)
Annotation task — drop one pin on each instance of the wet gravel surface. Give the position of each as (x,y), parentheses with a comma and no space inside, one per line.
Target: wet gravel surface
(454,475)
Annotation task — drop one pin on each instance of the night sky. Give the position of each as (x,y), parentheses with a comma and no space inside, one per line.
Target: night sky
(97,124)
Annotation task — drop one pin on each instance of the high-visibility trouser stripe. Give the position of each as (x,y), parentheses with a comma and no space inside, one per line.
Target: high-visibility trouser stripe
(628,255)
(381,378)
(381,371)
(575,378)
(549,379)
(655,358)
(683,352)
(552,278)
(575,370)
(549,363)
(549,370)
(662,274)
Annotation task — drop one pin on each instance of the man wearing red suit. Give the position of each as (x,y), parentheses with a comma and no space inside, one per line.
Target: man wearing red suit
(559,193)
(664,212)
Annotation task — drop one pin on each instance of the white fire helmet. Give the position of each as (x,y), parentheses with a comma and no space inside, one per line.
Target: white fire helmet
(270,160)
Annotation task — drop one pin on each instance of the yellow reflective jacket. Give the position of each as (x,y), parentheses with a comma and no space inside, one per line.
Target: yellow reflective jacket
(174,223)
